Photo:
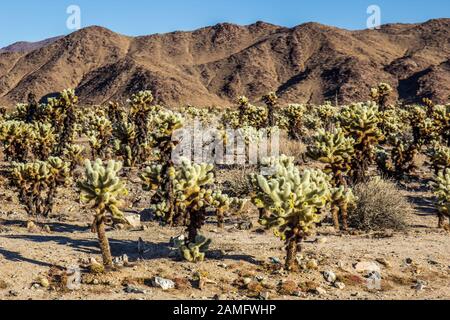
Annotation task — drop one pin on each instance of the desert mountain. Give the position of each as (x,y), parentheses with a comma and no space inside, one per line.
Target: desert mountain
(214,65)
(25,46)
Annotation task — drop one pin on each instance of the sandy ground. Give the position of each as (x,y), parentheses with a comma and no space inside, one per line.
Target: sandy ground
(414,264)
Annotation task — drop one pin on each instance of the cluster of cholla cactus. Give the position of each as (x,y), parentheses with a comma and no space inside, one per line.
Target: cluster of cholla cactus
(159,177)
(442,192)
(103,188)
(132,131)
(247,115)
(38,131)
(41,140)
(361,122)
(37,184)
(204,115)
(441,117)
(290,201)
(185,200)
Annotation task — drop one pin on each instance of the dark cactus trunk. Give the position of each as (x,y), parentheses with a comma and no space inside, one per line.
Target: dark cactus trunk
(335,214)
(292,248)
(104,243)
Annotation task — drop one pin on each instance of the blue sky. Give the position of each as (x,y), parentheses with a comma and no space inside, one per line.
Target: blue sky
(32,20)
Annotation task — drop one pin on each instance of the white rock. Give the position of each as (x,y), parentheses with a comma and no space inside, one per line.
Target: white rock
(329,276)
(366,266)
(339,285)
(321,291)
(162,283)
(133,219)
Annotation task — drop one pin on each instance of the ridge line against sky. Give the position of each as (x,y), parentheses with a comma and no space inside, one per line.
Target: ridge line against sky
(33,20)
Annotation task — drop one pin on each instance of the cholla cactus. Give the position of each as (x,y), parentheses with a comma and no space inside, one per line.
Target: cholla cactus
(403,152)
(74,155)
(271,101)
(440,157)
(380,94)
(423,128)
(63,117)
(441,117)
(126,143)
(194,251)
(141,102)
(294,114)
(43,140)
(185,195)
(37,183)
(291,200)
(116,113)
(16,137)
(442,192)
(361,122)
(203,115)
(164,125)
(394,121)
(99,133)
(103,187)
(342,199)
(141,107)
(336,151)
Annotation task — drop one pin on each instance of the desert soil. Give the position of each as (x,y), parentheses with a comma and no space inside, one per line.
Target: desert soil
(414,264)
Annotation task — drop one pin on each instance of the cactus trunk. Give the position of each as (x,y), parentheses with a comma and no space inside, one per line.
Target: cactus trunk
(292,250)
(104,243)
(344,210)
(335,214)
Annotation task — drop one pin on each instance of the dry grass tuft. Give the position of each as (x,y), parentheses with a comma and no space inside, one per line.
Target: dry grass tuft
(292,148)
(380,206)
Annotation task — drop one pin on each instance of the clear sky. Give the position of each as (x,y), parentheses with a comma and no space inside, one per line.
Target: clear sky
(33,20)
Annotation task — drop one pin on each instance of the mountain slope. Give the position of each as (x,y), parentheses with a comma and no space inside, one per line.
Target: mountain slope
(25,46)
(214,65)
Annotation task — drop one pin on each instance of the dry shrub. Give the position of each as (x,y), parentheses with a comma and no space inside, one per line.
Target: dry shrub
(292,148)
(380,206)
(235,182)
